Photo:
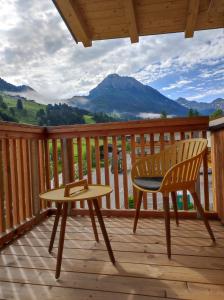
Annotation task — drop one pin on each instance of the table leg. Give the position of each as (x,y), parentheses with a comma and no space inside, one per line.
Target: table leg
(61,239)
(55,226)
(103,229)
(93,219)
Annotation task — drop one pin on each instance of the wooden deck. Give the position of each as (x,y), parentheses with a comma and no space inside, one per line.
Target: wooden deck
(142,271)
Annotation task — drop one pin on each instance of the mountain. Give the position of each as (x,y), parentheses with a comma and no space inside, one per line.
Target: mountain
(126,95)
(24,91)
(203,108)
(8,87)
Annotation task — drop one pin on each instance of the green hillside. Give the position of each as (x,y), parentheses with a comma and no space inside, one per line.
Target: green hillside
(27,115)
(20,110)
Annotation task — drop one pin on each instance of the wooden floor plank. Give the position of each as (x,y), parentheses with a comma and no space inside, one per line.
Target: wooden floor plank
(123,247)
(143,223)
(15,291)
(131,238)
(118,284)
(154,271)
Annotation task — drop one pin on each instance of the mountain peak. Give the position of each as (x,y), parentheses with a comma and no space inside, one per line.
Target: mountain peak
(125,94)
(117,82)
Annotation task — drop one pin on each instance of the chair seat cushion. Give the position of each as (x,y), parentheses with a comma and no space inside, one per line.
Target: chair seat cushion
(149,183)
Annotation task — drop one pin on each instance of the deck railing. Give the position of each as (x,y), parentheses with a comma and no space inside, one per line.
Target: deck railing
(34,159)
(128,141)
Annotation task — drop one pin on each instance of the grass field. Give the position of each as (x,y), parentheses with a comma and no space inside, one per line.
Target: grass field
(28,115)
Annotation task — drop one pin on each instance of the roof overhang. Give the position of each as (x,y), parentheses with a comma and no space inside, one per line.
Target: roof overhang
(91,20)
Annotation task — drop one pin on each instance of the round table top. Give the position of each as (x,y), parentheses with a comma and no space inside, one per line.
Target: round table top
(93,191)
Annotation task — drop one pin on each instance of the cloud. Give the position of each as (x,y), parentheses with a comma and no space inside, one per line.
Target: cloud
(176,85)
(211,92)
(37,49)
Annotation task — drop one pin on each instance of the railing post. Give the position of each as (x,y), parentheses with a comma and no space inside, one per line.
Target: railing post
(217,156)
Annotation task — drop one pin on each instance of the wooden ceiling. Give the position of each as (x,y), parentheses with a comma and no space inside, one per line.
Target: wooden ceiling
(90,20)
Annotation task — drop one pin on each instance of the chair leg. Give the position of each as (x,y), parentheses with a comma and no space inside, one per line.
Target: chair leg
(104,231)
(61,239)
(174,200)
(137,212)
(90,205)
(55,226)
(167,224)
(202,214)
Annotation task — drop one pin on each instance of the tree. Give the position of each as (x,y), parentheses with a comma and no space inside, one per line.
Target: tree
(163,115)
(1,100)
(217,114)
(12,111)
(193,112)
(19,104)
(2,103)
(6,117)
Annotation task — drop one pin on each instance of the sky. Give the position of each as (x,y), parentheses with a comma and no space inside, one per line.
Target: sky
(37,49)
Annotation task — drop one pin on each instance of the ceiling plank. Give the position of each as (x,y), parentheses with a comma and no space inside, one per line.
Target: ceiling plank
(77,25)
(131,19)
(193,9)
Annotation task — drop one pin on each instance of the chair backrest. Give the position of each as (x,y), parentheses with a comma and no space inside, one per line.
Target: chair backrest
(181,151)
(158,164)
(184,173)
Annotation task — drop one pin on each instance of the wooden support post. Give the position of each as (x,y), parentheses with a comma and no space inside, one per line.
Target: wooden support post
(131,20)
(217,154)
(193,9)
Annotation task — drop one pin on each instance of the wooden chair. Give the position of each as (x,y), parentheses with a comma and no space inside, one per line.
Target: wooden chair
(175,168)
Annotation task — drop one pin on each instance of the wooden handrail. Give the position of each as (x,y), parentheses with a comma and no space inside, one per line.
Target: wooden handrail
(15,130)
(130,127)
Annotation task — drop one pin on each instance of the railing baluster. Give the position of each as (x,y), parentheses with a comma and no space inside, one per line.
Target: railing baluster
(47,166)
(26,164)
(7,182)
(14,181)
(205,175)
(97,161)
(2,202)
(41,171)
(55,163)
(80,164)
(106,168)
(35,177)
(21,188)
(63,162)
(115,168)
(185,204)
(133,157)
(89,160)
(152,151)
(142,144)
(124,167)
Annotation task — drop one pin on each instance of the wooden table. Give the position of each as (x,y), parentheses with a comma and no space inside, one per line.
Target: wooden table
(77,191)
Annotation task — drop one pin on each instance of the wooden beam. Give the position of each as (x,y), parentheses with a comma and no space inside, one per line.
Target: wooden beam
(131,19)
(192,14)
(74,20)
